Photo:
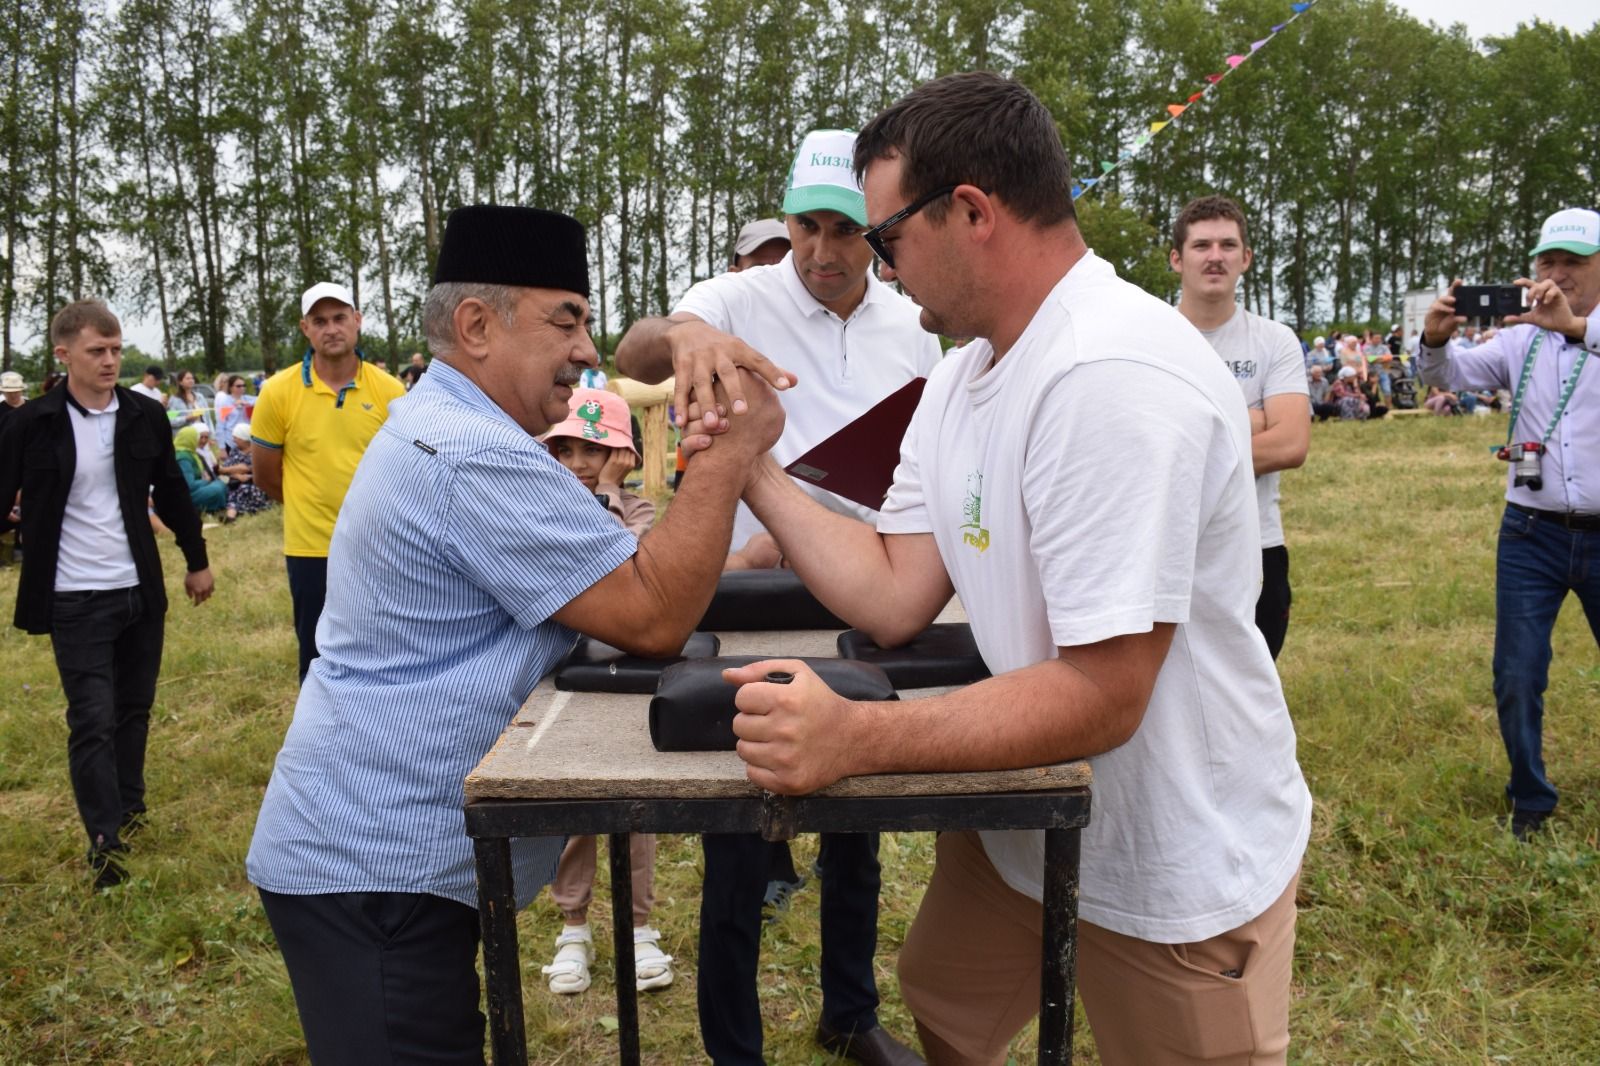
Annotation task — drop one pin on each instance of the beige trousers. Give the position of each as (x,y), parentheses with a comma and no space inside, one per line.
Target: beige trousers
(969,971)
(573,887)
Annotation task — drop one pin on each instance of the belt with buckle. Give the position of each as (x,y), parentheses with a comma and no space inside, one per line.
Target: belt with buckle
(1573,520)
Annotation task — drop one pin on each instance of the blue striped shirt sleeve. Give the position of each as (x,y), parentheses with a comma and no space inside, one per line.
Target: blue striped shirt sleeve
(524,530)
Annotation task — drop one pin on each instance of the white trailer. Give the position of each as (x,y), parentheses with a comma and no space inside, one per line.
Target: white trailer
(1413,313)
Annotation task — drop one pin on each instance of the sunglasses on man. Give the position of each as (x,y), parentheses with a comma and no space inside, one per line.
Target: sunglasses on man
(874,236)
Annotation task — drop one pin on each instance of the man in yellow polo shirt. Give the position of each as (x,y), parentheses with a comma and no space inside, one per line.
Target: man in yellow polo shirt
(312,423)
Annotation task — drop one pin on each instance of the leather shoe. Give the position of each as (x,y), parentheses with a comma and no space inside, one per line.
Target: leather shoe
(1525,824)
(870,1047)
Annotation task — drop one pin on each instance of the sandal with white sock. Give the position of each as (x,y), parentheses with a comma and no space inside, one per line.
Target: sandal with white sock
(569,970)
(652,967)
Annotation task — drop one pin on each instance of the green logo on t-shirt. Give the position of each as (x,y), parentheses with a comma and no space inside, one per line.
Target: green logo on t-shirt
(972,510)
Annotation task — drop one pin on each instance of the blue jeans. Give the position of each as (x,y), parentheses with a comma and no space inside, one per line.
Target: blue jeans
(1538,563)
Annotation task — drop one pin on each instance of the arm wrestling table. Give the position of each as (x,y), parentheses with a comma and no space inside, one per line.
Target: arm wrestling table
(579,763)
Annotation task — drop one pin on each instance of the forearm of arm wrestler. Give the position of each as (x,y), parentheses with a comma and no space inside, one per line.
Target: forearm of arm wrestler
(1087,700)
(891,586)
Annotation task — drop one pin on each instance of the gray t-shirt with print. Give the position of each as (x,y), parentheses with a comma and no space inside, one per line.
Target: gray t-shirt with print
(1265,359)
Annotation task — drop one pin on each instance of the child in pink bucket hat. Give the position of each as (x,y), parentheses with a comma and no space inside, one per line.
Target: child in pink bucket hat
(596,444)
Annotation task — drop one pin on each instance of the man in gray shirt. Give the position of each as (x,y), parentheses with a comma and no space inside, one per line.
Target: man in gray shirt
(1211,250)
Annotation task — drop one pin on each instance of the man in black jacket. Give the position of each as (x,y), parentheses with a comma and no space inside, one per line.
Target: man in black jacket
(86,457)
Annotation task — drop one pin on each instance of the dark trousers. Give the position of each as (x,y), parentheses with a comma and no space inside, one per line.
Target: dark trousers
(737,866)
(381,977)
(308,588)
(1537,563)
(1272,606)
(108,652)
(780,864)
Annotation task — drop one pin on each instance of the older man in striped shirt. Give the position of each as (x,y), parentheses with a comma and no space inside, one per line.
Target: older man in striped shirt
(360,851)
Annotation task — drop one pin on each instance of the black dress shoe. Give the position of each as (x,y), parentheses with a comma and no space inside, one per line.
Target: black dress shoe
(1526,823)
(108,868)
(870,1047)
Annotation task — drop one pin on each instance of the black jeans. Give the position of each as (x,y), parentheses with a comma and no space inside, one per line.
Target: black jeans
(308,588)
(737,867)
(108,652)
(382,977)
(1272,606)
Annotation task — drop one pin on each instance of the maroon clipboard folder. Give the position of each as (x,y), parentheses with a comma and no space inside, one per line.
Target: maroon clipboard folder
(858,461)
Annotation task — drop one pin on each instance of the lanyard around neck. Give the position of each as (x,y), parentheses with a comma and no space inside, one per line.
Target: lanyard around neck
(1522,387)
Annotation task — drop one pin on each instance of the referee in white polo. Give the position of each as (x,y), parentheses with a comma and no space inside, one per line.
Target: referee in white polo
(820,315)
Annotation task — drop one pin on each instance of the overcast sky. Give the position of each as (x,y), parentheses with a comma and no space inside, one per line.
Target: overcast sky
(1493,18)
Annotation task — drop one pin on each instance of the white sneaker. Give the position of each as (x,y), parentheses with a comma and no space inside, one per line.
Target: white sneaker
(569,970)
(652,967)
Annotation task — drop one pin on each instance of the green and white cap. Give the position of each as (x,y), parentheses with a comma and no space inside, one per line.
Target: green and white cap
(1574,230)
(823,176)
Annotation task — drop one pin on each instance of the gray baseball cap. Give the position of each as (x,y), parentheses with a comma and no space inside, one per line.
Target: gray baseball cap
(759,232)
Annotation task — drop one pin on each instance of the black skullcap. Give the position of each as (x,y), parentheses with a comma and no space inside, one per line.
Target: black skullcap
(523,246)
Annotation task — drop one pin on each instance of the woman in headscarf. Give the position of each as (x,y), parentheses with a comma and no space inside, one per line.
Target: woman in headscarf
(244,496)
(209,494)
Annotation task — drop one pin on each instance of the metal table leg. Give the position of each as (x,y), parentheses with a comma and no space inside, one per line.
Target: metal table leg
(497,913)
(1060,946)
(622,938)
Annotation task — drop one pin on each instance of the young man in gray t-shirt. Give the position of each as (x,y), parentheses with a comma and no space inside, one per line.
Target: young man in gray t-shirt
(1211,251)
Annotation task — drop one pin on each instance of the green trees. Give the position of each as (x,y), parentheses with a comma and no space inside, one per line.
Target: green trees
(201,162)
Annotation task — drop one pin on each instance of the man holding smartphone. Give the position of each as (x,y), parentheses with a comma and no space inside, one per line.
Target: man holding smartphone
(1550,534)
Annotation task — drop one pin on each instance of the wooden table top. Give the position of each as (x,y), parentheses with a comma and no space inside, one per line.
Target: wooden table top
(596,745)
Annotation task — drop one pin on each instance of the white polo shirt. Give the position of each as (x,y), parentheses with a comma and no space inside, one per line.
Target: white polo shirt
(844,365)
(94,551)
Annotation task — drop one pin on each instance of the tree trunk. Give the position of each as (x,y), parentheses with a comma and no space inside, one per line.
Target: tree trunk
(266,331)
(16,189)
(152,228)
(385,272)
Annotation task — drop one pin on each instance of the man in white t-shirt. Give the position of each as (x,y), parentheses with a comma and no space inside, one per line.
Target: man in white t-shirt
(150,384)
(1107,555)
(1211,251)
(818,325)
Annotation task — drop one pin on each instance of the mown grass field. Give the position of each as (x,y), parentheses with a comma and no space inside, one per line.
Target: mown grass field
(1426,934)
